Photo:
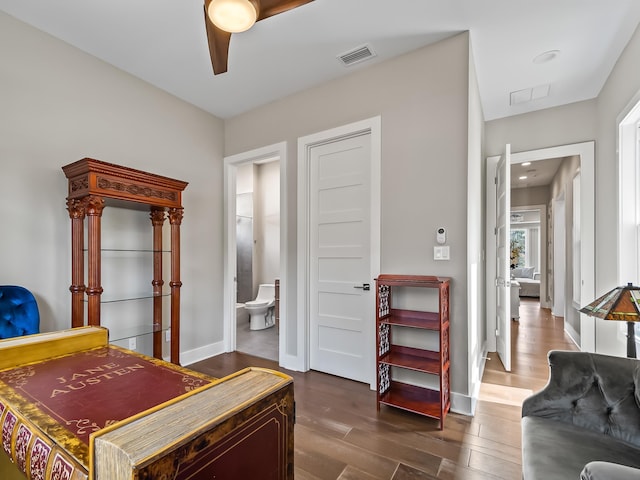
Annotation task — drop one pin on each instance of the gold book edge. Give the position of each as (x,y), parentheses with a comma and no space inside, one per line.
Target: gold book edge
(284,380)
(38,347)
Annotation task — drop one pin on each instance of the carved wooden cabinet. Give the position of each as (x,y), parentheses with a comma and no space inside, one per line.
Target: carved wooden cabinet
(94,185)
(406,374)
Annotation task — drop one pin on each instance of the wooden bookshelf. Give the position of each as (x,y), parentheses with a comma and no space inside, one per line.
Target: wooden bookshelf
(94,185)
(393,358)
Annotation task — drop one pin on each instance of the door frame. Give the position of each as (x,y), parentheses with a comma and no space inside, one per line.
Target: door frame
(229,269)
(560,302)
(370,126)
(586,151)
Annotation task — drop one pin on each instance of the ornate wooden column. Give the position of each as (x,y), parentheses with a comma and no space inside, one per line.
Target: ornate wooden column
(157,221)
(93,210)
(175,219)
(77,288)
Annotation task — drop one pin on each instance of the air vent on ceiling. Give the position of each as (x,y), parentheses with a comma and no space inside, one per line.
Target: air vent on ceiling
(356,55)
(529,94)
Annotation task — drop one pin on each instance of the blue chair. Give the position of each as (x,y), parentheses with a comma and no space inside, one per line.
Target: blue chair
(19,313)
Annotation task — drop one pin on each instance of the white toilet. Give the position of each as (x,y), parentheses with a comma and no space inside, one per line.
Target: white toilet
(261,310)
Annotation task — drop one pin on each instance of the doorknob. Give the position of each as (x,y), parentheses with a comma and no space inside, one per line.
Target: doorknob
(364,286)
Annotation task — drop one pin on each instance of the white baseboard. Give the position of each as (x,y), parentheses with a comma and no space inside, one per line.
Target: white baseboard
(462,404)
(201,353)
(466,404)
(290,362)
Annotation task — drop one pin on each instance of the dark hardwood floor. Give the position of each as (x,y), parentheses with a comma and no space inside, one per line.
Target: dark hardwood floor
(340,435)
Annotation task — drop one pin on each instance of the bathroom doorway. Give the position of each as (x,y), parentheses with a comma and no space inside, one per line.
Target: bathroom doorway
(254,324)
(257,257)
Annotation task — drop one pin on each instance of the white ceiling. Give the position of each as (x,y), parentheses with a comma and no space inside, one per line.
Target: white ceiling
(539,173)
(164,43)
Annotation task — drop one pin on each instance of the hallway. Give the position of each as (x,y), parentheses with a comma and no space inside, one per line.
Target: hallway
(532,337)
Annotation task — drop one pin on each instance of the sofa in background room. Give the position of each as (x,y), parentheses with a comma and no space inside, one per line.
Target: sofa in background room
(528,279)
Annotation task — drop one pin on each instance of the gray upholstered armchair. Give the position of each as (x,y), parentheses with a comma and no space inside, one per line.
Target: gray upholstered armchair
(585,424)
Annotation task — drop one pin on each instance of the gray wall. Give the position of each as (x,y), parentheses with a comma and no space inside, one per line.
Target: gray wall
(621,86)
(563,125)
(523,197)
(422,98)
(60,105)
(562,186)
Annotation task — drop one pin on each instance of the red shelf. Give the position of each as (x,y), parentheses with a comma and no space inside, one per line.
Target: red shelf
(410,318)
(392,357)
(414,399)
(428,281)
(413,359)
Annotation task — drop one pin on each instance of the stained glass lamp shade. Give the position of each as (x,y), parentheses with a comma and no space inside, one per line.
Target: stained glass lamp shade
(623,304)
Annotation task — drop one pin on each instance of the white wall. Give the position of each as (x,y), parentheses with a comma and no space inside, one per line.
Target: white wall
(422,98)
(60,105)
(267,244)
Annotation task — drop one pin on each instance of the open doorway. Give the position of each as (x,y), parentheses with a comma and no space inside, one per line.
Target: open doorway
(528,233)
(580,259)
(255,277)
(258,257)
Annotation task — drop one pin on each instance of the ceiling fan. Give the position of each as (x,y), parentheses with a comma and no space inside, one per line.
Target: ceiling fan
(224,17)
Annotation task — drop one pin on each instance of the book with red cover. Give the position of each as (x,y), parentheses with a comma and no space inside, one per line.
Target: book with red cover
(67,398)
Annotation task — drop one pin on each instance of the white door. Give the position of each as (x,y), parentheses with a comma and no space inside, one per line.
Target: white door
(341,304)
(503,259)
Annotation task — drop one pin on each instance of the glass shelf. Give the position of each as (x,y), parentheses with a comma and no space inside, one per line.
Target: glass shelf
(131,250)
(106,298)
(122,333)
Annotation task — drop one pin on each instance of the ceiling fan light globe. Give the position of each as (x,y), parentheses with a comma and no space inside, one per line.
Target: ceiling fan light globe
(232,16)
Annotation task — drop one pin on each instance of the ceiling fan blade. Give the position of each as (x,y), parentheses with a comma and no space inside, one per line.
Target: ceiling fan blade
(219,39)
(218,43)
(269,8)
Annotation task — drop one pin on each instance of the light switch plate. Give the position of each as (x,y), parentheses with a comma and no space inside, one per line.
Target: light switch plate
(441,253)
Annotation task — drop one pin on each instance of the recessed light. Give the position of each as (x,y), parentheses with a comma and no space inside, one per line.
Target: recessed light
(525,164)
(546,56)
(523,177)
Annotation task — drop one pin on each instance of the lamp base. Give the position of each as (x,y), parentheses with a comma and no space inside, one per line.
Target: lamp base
(631,340)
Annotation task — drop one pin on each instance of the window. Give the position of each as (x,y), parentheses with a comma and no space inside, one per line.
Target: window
(518,247)
(629,200)
(525,238)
